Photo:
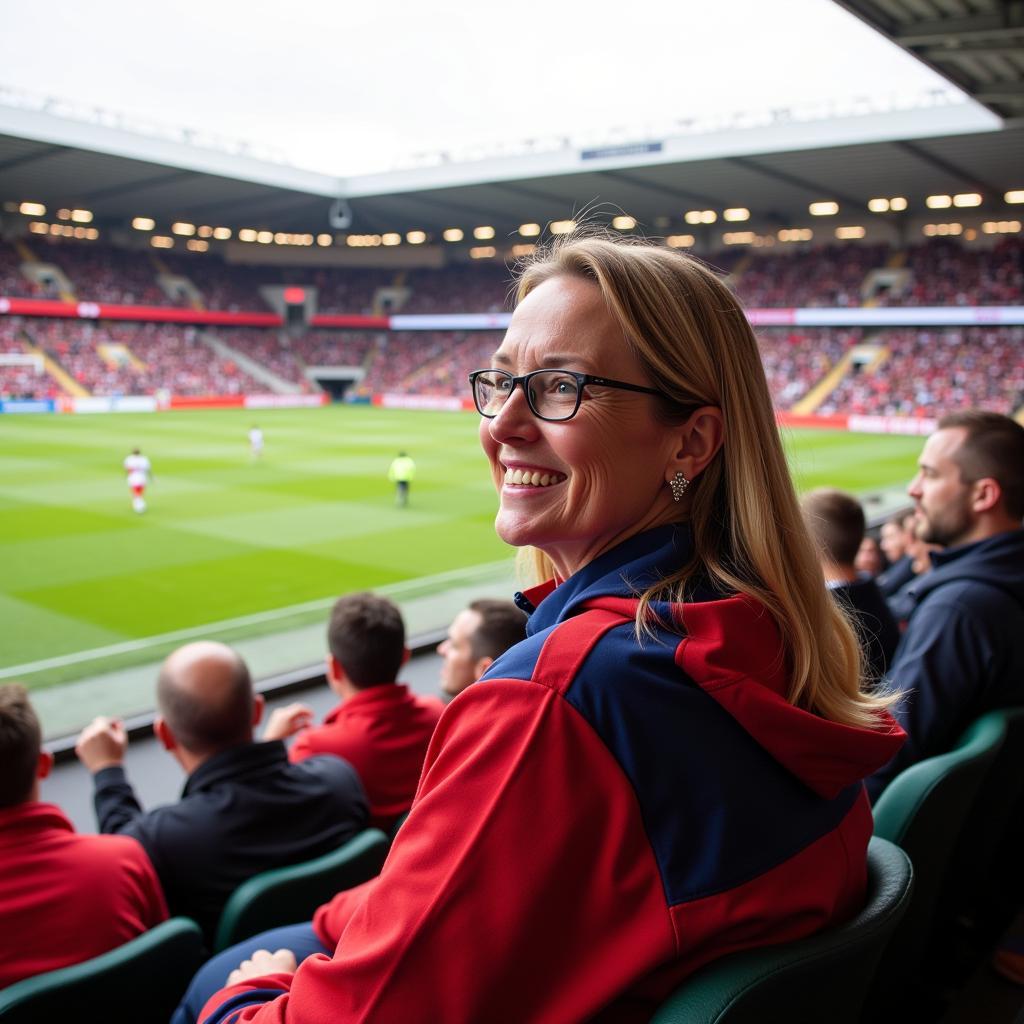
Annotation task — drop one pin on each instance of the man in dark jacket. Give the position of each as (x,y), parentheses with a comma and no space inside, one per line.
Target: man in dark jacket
(244,808)
(836,521)
(963,651)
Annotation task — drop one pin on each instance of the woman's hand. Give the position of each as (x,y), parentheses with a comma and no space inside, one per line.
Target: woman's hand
(264,962)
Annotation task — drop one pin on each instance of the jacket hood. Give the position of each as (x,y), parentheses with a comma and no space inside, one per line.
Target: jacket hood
(729,646)
(997,561)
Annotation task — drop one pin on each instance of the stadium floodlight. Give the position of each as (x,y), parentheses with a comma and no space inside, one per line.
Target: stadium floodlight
(680,241)
(415,237)
(162,242)
(1015,196)
(453,234)
(967,199)
(325,240)
(529,230)
(700,216)
(524,249)
(81,216)
(879,205)
(739,237)
(264,237)
(795,235)
(391,238)
(737,213)
(898,203)
(942,229)
(222,234)
(823,208)
(483,232)
(623,223)
(38,227)
(32,209)
(247,235)
(562,227)
(205,231)
(143,223)
(938,202)
(852,231)
(482,252)
(197,245)
(182,227)
(999,227)
(63,215)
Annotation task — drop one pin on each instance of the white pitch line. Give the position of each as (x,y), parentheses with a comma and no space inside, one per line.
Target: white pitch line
(140,644)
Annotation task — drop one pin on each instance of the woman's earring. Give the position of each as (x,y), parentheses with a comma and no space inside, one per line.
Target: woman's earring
(678,483)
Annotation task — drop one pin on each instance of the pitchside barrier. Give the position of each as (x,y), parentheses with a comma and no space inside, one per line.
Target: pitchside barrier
(874,316)
(390,400)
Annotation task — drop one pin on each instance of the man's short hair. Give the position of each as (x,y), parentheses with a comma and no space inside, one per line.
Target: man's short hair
(502,625)
(202,725)
(993,447)
(366,635)
(836,519)
(20,742)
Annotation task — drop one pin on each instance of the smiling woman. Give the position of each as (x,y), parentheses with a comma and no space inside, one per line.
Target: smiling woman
(669,767)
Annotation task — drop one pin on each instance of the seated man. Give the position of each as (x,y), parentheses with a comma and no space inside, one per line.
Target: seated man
(478,634)
(244,808)
(64,898)
(836,521)
(379,727)
(897,538)
(961,654)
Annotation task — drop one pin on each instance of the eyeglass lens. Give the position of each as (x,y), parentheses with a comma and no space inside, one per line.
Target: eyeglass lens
(553,394)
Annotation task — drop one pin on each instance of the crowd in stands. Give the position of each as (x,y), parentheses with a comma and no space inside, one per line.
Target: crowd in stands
(113,358)
(940,271)
(795,359)
(933,369)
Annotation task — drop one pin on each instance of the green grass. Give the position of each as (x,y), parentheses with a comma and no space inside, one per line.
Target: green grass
(225,537)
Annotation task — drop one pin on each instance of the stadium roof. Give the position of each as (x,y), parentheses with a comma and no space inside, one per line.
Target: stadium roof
(774,165)
(978,45)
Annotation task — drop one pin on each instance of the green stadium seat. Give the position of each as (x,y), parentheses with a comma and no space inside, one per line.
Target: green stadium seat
(286,895)
(923,810)
(821,978)
(143,980)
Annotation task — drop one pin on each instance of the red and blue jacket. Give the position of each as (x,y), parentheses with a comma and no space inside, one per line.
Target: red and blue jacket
(597,818)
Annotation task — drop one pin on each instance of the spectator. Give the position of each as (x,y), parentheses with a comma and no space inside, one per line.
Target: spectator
(869,560)
(477,636)
(669,767)
(836,521)
(244,808)
(379,727)
(897,535)
(961,654)
(64,898)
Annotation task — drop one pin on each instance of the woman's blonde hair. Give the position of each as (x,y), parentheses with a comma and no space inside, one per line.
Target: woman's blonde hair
(694,342)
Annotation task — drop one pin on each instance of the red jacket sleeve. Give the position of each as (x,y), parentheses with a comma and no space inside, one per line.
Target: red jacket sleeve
(522,886)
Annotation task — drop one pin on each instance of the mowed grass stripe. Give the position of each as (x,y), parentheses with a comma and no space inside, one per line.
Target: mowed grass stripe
(227,537)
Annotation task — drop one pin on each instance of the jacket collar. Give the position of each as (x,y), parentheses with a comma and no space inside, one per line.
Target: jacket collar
(386,694)
(231,765)
(30,816)
(627,570)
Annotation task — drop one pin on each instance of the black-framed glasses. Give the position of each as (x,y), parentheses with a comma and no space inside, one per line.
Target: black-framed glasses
(551,394)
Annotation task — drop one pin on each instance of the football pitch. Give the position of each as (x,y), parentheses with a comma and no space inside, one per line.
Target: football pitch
(234,546)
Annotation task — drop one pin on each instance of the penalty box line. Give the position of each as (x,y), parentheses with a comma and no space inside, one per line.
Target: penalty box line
(272,615)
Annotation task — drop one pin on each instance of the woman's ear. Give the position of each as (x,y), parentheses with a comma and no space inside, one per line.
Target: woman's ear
(699,439)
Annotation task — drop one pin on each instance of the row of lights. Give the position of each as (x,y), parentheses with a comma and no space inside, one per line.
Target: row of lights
(40,227)
(198,235)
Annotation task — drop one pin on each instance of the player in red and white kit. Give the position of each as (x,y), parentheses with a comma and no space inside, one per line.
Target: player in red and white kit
(138,469)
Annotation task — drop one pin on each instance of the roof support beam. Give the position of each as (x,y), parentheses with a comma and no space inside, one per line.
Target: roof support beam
(26,158)
(980,26)
(958,173)
(813,188)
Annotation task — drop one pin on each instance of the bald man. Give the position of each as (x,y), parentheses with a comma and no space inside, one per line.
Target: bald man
(244,808)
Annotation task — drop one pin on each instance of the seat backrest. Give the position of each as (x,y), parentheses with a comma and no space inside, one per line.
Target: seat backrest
(290,894)
(923,810)
(142,980)
(823,977)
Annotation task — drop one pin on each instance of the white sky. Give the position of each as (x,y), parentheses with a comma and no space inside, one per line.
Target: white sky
(345,88)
